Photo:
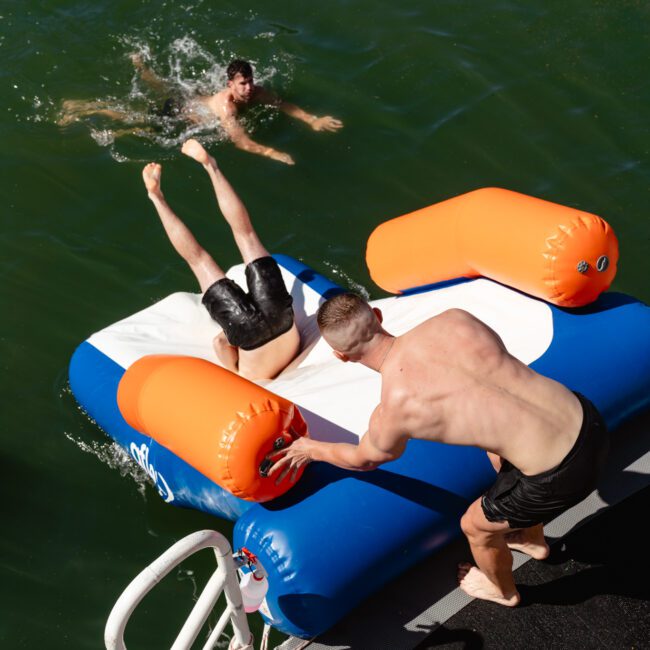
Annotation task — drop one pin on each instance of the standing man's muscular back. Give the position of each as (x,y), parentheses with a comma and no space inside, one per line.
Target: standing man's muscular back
(530,420)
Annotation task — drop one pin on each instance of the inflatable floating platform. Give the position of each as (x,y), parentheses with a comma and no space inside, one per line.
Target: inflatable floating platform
(337,536)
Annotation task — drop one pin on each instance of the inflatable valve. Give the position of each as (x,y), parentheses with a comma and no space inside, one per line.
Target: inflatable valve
(550,251)
(266,464)
(220,423)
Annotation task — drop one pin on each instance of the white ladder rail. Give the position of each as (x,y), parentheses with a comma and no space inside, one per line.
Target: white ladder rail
(223,579)
(218,629)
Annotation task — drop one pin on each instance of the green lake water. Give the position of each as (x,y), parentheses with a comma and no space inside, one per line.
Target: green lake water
(438,98)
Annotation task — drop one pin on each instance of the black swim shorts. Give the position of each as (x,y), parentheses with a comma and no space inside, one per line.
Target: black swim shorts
(252,319)
(165,116)
(172,107)
(525,501)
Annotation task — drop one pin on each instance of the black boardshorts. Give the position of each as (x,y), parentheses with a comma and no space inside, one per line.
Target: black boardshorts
(171,108)
(524,501)
(250,320)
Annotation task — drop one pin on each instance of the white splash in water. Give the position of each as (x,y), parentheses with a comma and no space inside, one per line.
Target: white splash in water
(118,157)
(111,454)
(340,274)
(103,137)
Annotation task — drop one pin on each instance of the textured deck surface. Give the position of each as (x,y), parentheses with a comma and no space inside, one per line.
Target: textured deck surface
(592,592)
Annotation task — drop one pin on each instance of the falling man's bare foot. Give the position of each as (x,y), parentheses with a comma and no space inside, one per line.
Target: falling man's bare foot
(530,541)
(476,584)
(151,176)
(194,149)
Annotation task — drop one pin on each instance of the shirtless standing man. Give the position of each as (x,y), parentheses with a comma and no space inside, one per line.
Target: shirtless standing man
(259,337)
(452,380)
(240,92)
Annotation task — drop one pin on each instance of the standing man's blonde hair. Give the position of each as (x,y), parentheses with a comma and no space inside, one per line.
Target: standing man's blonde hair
(348,323)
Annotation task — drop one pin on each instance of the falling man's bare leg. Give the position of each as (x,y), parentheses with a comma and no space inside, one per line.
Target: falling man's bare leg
(206,270)
(231,206)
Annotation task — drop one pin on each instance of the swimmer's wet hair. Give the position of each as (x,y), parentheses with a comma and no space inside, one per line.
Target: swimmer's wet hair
(239,66)
(341,310)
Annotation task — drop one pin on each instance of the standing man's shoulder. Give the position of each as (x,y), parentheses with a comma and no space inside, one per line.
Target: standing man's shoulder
(454,314)
(394,397)
(453,317)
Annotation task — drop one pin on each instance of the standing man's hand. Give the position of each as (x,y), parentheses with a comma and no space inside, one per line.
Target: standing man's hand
(326,123)
(292,458)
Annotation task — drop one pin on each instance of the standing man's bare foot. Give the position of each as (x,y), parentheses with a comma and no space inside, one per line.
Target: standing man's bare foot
(194,149)
(476,584)
(530,541)
(151,176)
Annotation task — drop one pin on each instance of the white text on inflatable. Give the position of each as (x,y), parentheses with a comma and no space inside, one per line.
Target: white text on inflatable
(141,456)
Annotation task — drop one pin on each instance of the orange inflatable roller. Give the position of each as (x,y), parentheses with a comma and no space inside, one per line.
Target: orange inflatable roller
(563,255)
(218,422)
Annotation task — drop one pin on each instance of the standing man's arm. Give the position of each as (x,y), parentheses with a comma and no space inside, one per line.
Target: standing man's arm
(378,446)
(325,123)
(242,141)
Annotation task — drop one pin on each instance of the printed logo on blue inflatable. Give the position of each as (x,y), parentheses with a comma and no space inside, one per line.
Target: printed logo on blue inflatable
(141,456)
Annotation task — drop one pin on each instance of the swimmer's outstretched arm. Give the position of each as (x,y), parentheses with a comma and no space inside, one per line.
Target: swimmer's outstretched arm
(242,140)
(324,123)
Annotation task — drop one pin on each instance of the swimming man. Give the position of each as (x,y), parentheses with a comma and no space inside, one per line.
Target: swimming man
(259,337)
(451,380)
(240,93)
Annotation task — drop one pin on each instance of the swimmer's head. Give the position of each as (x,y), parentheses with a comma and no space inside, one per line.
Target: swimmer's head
(349,325)
(240,80)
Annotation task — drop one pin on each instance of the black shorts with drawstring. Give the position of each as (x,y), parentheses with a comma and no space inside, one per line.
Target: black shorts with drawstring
(524,501)
(250,320)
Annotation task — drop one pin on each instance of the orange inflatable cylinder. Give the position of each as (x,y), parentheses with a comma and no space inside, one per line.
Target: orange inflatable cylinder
(560,254)
(220,423)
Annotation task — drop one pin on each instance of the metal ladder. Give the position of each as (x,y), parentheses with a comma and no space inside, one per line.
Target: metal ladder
(223,579)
